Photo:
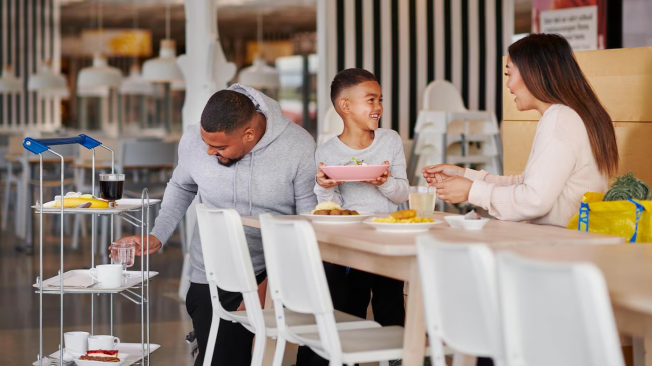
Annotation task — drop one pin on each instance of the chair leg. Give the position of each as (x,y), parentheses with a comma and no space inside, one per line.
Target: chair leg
(212,337)
(460,359)
(437,354)
(279,352)
(5,206)
(75,232)
(259,349)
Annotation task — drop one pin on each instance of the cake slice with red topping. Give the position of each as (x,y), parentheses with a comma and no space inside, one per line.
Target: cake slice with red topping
(101,355)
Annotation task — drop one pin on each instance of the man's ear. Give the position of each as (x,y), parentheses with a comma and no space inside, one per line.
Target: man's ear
(249,134)
(344,105)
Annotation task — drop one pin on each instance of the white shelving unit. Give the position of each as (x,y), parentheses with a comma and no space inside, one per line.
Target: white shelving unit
(77,281)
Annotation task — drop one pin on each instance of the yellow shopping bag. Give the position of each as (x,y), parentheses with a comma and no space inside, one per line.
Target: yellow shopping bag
(630,219)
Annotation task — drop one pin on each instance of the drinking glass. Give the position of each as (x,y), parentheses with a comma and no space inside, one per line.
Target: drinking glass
(111,187)
(422,200)
(124,252)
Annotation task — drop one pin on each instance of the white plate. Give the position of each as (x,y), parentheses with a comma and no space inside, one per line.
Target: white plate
(337,219)
(387,227)
(459,222)
(133,349)
(78,279)
(126,204)
(121,356)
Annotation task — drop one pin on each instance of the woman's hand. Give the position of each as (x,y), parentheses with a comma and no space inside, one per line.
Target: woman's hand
(437,173)
(453,189)
(324,181)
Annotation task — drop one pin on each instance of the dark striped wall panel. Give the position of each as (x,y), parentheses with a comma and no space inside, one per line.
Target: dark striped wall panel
(409,43)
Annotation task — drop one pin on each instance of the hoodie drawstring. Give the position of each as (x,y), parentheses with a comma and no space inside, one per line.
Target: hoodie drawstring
(251,170)
(235,173)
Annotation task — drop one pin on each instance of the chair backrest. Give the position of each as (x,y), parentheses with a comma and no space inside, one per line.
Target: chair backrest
(227,261)
(556,314)
(333,126)
(294,267)
(147,153)
(459,294)
(441,95)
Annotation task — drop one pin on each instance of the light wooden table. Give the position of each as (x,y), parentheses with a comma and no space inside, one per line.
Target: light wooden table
(394,255)
(627,270)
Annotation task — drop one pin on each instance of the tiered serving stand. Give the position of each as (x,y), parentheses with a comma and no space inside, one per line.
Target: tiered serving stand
(79,281)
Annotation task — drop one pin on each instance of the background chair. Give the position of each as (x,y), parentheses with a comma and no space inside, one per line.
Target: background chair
(297,282)
(556,314)
(228,266)
(460,299)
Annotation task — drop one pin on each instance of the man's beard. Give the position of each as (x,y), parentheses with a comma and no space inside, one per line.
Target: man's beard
(229,163)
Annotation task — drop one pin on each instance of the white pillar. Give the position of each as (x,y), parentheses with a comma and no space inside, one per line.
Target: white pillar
(205,71)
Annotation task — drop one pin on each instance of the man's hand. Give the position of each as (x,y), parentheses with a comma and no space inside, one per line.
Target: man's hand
(262,293)
(454,189)
(154,243)
(324,181)
(382,179)
(437,173)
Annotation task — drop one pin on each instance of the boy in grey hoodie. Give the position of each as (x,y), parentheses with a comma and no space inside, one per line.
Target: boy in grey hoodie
(244,155)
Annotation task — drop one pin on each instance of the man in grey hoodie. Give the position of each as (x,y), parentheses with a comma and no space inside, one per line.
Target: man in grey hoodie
(245,155)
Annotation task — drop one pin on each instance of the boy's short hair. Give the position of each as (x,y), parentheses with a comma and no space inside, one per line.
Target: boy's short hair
(226,111)
(347,79)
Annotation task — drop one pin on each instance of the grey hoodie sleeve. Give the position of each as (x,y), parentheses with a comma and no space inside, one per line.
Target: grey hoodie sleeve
(179,193)
(397,187)
(304,182)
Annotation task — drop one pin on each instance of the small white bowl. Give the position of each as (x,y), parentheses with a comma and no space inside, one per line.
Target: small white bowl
(459,222)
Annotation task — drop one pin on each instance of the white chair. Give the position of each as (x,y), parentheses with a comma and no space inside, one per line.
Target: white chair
(460,299)
(444,129)
(332,126)
(228,266)
(442,95)
(297,282)
(556,314)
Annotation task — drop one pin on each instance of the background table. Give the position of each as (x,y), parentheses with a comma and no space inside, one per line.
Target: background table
(394,255)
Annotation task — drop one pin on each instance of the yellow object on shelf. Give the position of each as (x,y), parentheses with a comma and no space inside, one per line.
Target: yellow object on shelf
(76,201)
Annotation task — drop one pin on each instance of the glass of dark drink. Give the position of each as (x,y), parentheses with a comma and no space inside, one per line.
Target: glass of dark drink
(111,187)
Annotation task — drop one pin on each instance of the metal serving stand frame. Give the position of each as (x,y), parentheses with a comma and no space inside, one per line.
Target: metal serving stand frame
(41,146)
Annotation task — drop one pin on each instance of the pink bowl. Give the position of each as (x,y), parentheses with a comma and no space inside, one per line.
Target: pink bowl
(354,173)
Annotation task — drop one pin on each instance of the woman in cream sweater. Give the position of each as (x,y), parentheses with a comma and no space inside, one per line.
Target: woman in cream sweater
(574,149)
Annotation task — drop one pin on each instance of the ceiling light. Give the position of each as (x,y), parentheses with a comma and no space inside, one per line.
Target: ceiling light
(47,83)
(9,83)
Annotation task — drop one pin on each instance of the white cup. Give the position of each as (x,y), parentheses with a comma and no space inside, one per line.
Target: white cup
(76,341)
(104,342)
(108,275)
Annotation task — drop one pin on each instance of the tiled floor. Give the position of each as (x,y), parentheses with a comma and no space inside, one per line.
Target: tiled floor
(19,304)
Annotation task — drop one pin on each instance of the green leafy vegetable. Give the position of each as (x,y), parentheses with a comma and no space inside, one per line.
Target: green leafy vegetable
(358,162)
(628,187)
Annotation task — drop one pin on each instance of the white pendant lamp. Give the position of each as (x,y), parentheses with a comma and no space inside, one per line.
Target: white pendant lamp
(164,69)
(48,83)
(135,84)
(9,83)
(178,85)
(97,79)
(100,75)
(259,75)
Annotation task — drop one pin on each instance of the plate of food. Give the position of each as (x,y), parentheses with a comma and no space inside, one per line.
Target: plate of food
(403,221)
(470,221)
(101,358)
(354,171)
(329,212)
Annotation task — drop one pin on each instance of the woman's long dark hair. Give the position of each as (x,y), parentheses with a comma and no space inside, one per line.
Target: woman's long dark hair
(551,73)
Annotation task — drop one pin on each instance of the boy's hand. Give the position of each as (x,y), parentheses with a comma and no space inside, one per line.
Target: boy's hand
(382,179)
(324,181)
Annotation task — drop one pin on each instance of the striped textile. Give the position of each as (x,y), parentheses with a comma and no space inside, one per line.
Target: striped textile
(409,43)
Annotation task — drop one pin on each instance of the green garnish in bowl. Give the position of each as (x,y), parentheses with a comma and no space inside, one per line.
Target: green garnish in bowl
(358,162)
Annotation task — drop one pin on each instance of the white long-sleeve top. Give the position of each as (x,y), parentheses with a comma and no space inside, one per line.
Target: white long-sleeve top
(560,169)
